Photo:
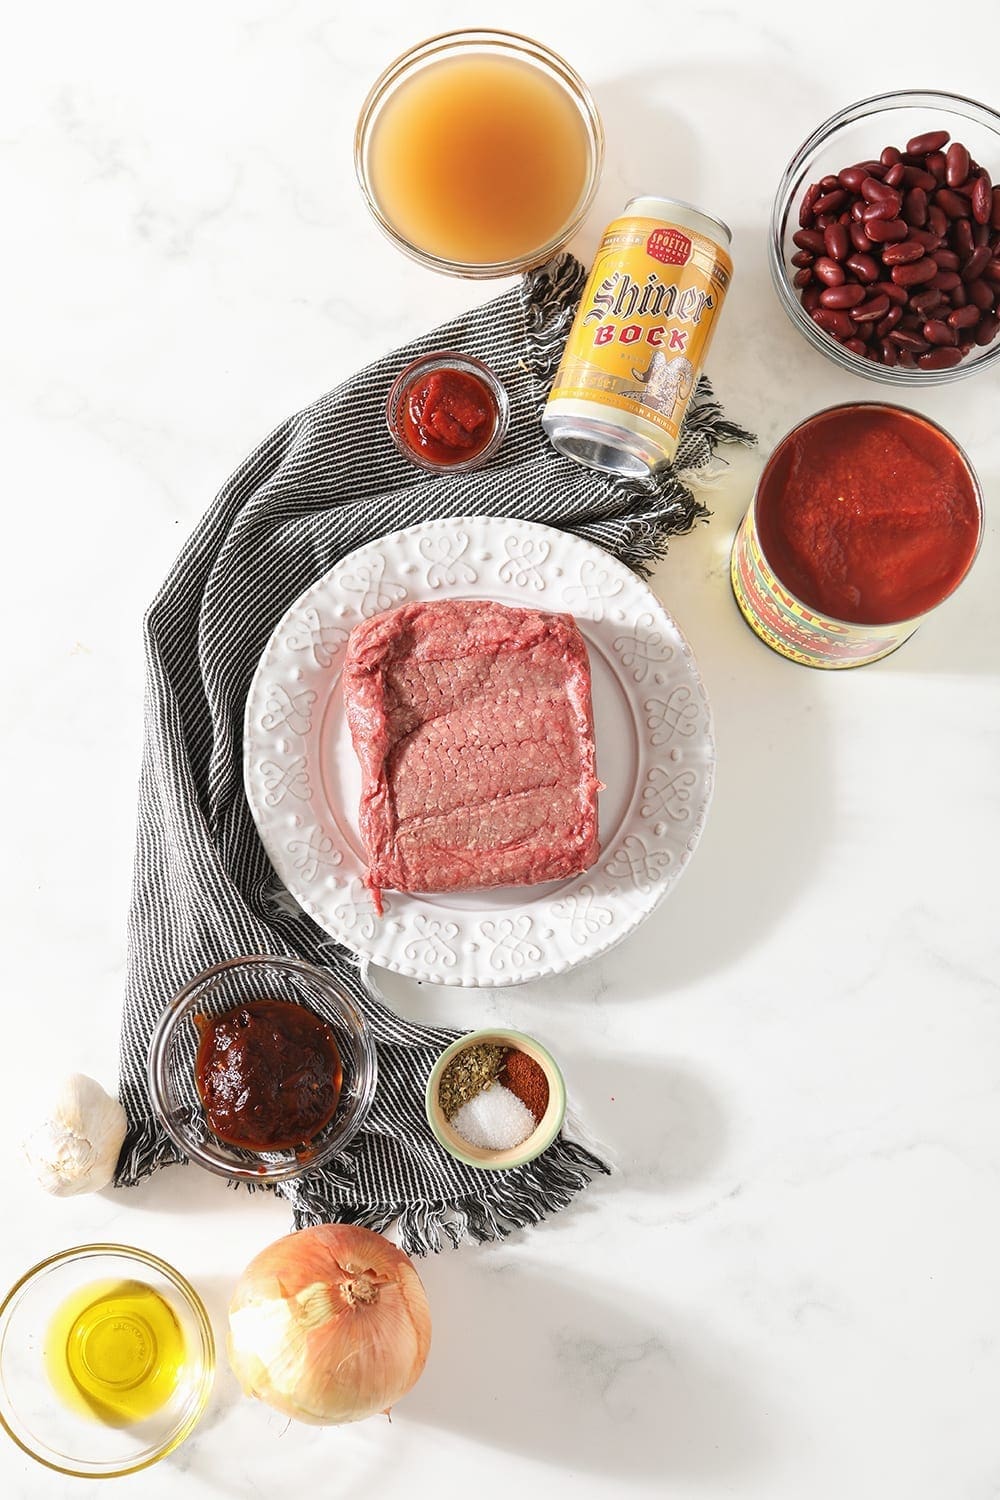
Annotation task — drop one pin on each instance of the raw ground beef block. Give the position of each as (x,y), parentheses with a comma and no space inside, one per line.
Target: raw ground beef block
(473,725)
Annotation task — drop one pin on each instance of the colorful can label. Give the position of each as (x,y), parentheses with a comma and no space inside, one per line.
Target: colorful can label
(788,627)
(644,324)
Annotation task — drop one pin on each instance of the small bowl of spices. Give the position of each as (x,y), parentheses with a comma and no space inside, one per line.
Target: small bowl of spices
(495,1099)
(447,412)
(262,1068)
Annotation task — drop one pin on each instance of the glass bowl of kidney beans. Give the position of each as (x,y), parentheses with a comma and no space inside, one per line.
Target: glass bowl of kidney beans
(885,238)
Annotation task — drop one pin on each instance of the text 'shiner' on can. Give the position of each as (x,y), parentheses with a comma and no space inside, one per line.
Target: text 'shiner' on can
(640,337)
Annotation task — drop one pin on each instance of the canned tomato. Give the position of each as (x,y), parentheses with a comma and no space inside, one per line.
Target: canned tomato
(865,518)
(640,337)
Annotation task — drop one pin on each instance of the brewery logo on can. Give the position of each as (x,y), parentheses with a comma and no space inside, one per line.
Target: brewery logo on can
(640,337)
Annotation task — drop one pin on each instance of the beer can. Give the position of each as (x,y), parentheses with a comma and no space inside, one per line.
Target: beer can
(640,337)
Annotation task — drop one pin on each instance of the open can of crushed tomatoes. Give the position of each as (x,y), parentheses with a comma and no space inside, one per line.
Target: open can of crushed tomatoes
(866,517)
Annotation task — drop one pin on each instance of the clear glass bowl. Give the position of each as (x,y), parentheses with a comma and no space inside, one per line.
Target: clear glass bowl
(223,987)
(33,1413)
(467,365)
(454,44)
(859,133)
(545,1131)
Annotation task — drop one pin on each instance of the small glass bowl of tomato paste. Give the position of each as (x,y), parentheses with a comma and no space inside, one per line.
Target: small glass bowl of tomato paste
(222,991)
(447,412)
(866,517)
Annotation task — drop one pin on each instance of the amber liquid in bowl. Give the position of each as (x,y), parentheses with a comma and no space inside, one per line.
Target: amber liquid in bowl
(479,160)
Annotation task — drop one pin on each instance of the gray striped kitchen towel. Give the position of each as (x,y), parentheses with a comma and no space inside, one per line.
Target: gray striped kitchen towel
(326,481)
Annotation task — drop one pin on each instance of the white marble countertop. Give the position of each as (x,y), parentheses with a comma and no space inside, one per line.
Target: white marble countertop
(789,1288)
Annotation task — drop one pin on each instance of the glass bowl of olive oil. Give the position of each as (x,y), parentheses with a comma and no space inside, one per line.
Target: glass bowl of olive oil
(106,1361)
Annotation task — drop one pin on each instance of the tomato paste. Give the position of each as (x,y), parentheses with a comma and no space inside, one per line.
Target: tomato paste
(868,514)
(448,416)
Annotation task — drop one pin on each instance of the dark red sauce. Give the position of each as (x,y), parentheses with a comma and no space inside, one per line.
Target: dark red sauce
(268,1074)
(868,514)
(448,416)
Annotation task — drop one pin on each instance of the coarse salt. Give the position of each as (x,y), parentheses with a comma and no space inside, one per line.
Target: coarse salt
(494,1119)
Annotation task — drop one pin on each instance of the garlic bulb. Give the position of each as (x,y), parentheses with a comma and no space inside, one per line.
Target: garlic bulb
(75,1149)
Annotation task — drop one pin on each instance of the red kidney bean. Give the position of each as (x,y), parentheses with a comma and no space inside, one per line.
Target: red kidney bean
(803,258)
(964,317)
(856,346)
(806,214)
(926,302)
(875,191)
(865,267)
(976,264)
(916,177)
(940,359)
(897,295)
(809,239)
(904,251)
(982,199)
(987,330)
(936,332)
(958,296)
(981,234)
(981,295)
(992,272)
(883,230)
(889,322)
(882,209)
(889,156)
(828,202)
(828,183)
(936,165)
(859,239)
(962,239)
(907,359)
(903,338)
(888,353)
(915,206)
(851,178)
(873,168)
(837,241)
(810,298)
(945,281)
(956,164)
(926,237)
(828,271)
(937,219)
(914,274)
(995,211)
(911,322)
(931,140)
(833,320)
(948,260)
(822,220)
(802,278)
(952,204)
(844,217)
(895,175)
(848,295)
(867,312)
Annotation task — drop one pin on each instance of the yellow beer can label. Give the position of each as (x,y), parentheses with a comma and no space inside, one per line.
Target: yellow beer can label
(645,321)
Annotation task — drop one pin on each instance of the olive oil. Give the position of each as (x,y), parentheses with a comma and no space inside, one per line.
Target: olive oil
(480,160)
(115,1350)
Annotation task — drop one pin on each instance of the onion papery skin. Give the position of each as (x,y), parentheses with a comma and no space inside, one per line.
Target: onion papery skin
(329,1325)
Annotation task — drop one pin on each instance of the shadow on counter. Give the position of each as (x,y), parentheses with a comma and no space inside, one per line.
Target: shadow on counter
(582,1377)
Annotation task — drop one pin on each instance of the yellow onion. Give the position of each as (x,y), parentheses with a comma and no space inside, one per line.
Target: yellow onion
(329,1325)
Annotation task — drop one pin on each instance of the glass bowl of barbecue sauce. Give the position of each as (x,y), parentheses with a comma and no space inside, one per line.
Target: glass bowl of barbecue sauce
(447,412)
(262,1068)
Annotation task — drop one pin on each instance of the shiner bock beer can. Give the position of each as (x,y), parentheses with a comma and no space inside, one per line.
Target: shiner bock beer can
(640,337)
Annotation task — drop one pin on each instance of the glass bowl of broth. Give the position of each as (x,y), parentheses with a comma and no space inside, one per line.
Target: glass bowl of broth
(479,152)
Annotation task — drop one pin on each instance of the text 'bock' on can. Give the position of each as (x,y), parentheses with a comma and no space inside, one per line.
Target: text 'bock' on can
(640,337)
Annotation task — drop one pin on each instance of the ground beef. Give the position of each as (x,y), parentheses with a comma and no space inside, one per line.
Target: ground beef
(473,725)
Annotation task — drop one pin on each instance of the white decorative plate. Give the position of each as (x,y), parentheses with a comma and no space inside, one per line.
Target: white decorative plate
(653,730)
